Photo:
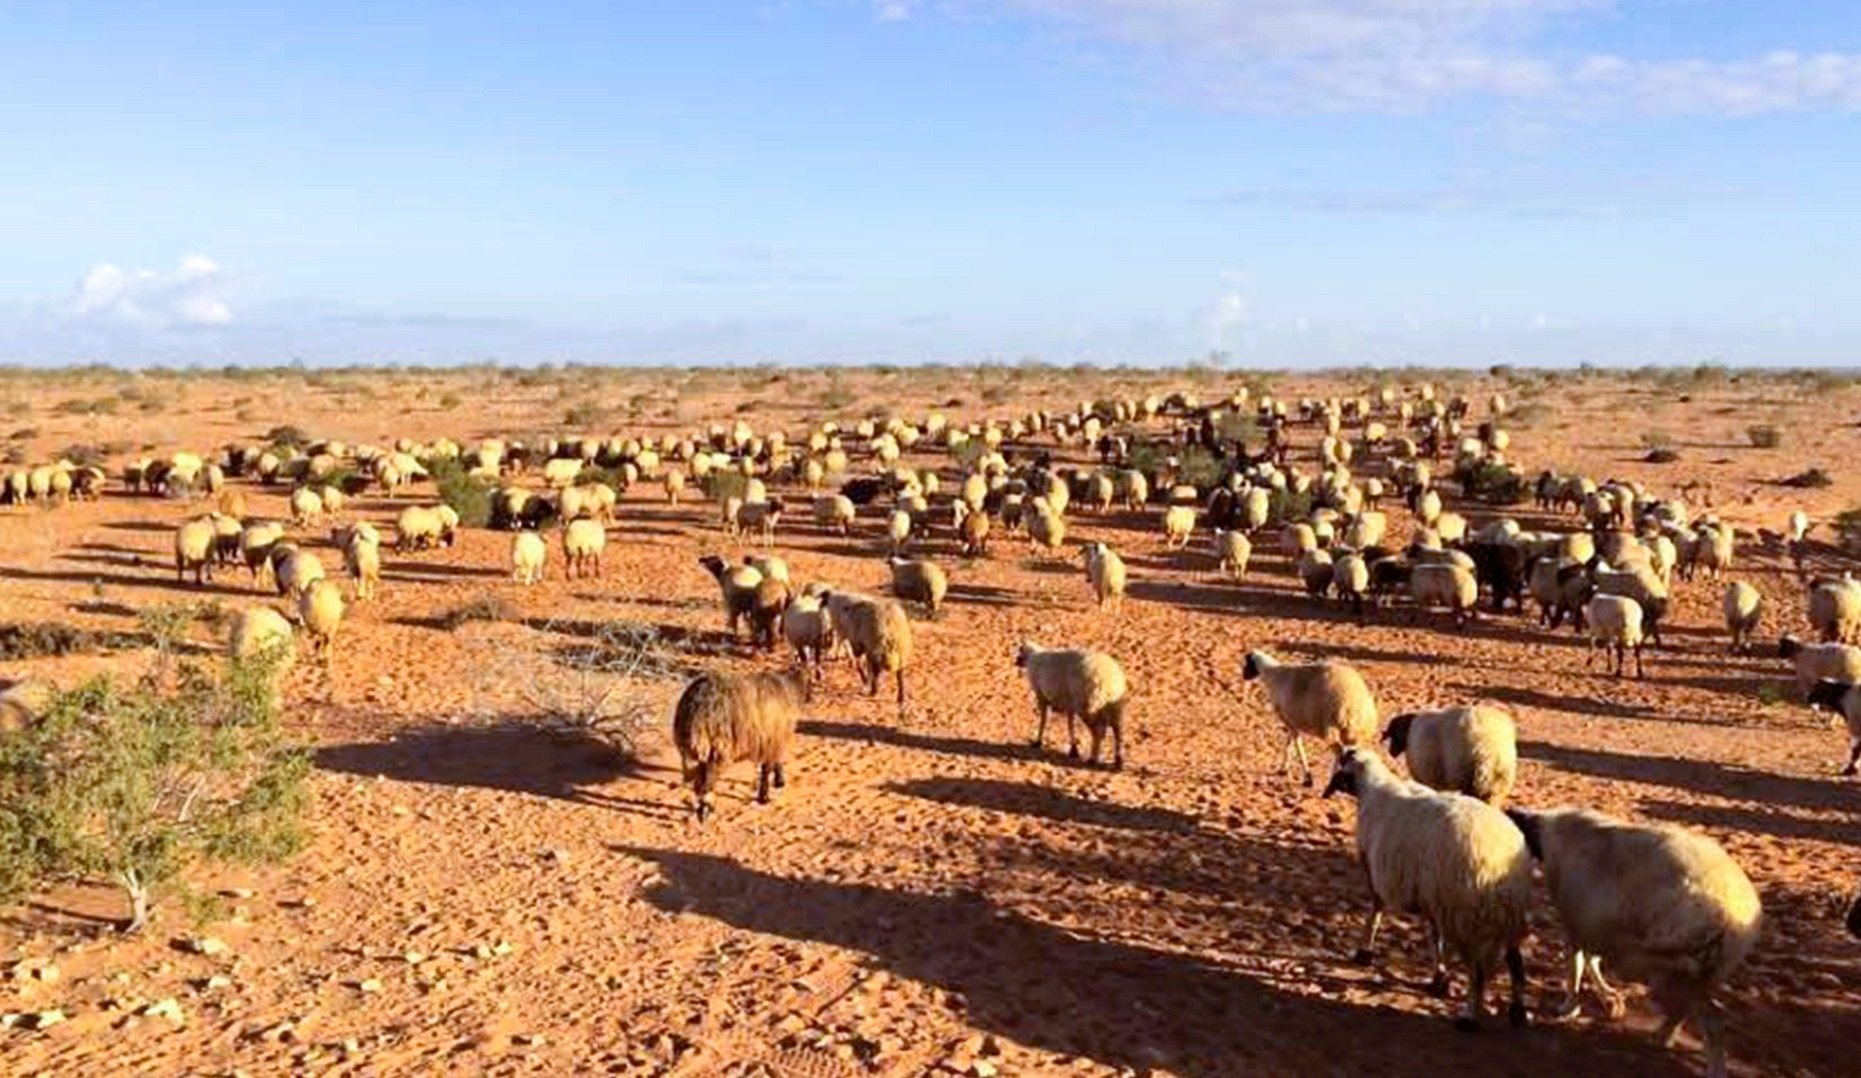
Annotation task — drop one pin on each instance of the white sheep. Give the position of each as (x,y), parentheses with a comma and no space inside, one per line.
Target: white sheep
(879,634)
(808,629)
(1816,662)
(261,631)
(1456,860)
(1083,685)
(528,555)
(583,542)
(919,580)
(1326,700)
(193,549)
(1744,607)
(1660,904)
(1178,526)
(834,512)
(1450,585)
(1046,528)
(1614,624)
(1233,550)
(320,609)
(1470,750)
(1106,574)
(361,556)
(1835,609)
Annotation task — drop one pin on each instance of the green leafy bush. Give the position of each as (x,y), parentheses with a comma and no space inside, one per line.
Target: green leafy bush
(1764,436)
(136,786)
(467,494)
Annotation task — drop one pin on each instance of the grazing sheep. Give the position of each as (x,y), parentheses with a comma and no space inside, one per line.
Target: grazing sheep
(1233,550)
(1088,686)
(320,609)
(1105,573)
(674,482)
(1451,586)
(919,580)
(1637,581)
(1817,662)
(1298,538)
(809,630)
(761,517)
(1835,609)
(361,558)
(1469,750)
(21,704)
(1350,581)
(583,542)
(306,506)
(898,530)
(294,570)
(528,554)
(1743,609)
(1659,903)
(834,512)
(724,718)
(1326,700)
(418,528)
(1614,624)
(1455,860)
(1178,526)
(973,531)
(255,545)
(1046,528)
(879,635)
(771,566)
(193,549)
(1844,699)
(258,630)
(737,586)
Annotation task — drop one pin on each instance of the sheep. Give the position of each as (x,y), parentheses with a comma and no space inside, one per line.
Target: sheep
(193,549)
(973,530)
(809,630)
(1456,860)
(1178,525)
(361,557)
(418,528)
(255,545)
(226,533)
(748,596)
(1835,609)
(583,541)
(320,609)
(1105,573)
(771,566)
(1083,685)
(1447,585)
(919,580)
(1233,550)
(21,704)
(261,631)
(1636,581)
(1350,581)
(1842,698)
(528,554)
(834,512)
(724,718)
(1326,700)
(1045,526)
(1315,568)
(1744,607)
(879,635)
(1815,662)
(306,506)
(1659,903)
(761,517)
(294,570)
(1614,623)
(1470,750)
(898,530)
(674,482)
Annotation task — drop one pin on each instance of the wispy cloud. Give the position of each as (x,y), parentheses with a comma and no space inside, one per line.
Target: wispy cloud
(1408,55)
(192,294)
(1529,199)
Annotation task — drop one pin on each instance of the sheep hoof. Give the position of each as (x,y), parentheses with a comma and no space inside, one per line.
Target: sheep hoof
(1437,987)
(1850,771)
(1307,780)
(1517,1016)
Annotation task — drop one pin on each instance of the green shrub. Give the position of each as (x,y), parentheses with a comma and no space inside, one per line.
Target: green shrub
(467,494)
(287,437)
(1764,436)
(1289,504)
(1490,482)
(582,415)
(136,786)
(483,608)
(449,401)
(1662,456)
(723,483)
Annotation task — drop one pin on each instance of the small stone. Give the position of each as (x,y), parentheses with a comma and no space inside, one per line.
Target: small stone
(240,893)
(501,948)
(169,1008)
(529,1040)
(351,1046)
(208,945)
(369,985)
(982,1068)
(413,958)
(47,1019)
(216,982)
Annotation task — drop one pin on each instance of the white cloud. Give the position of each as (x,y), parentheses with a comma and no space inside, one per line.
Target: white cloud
(891,10)
(1228,313)
(1406,55)
(193,294)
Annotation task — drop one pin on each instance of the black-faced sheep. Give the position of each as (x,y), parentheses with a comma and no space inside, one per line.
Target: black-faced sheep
(1469,750)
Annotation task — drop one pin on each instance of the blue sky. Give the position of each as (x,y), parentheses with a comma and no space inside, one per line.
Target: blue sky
(1292,182)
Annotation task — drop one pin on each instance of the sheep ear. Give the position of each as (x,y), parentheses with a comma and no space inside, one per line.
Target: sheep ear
(1532,827)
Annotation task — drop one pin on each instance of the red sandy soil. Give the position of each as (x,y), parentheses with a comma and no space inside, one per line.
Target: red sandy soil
(931,894)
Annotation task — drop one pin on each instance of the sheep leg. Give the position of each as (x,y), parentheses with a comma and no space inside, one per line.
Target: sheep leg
(1712,1030)
(899,676)
(1040,732)
(1515,980)
(780,777)
(1469,1022)
(1072,737)
(1366,951)
(1098,736)
(1298,747)
(762,784)
(1639,672)
(1612,999)
(1117,745)
(1854,757)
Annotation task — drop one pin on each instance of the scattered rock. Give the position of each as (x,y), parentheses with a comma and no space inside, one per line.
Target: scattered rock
(169,1008)
(528,1040)
(46,1019)
(208,945)
(368,986)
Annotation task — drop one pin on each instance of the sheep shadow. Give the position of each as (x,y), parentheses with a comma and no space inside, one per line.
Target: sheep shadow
(1118,1003)
(1028,799)
(1700,776)
(981,595)
(950,745)
(1608,708)
(1752,821)
(121,580)
(418,572)
(1360,653)
(514,756)
(138,526)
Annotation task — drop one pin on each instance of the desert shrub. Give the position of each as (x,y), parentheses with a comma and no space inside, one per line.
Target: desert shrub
(166,627)
(467,494)
(1812,479)
(1662,456)
(582,415)
(1764,436)
(1527,415)
(1201,467)
(597,687)
(100,406)
(287,437)
(1238,427)
(136,786)
(30,640)
(1289,504)
(722,483)
(449,401)
(996,394)
(1657,439)
(1490,482)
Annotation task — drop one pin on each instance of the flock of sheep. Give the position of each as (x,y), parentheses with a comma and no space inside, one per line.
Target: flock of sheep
(1658,904)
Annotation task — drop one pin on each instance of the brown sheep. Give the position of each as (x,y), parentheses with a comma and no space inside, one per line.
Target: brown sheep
(723,718)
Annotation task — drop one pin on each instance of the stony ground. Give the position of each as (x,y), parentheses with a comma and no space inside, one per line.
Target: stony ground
(930,893)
